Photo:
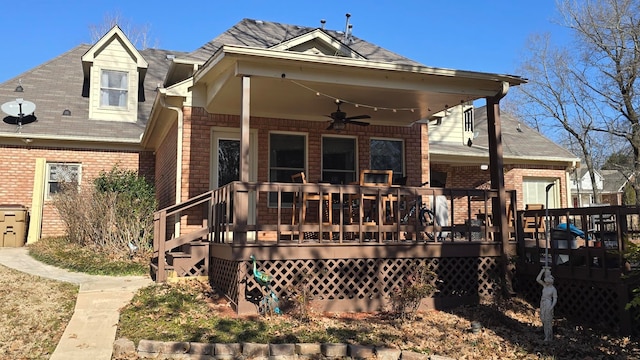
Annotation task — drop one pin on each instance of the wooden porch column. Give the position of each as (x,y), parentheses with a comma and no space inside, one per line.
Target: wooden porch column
(496,163)
(241,199)
(245,114)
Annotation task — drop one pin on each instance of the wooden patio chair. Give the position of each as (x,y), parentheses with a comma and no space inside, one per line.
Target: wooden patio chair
(304,197)
(376,178)
(533,224)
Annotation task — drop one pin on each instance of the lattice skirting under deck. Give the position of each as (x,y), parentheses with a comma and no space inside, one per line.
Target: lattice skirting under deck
(358,284)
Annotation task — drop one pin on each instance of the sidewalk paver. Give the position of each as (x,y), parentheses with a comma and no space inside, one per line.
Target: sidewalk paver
(92,329)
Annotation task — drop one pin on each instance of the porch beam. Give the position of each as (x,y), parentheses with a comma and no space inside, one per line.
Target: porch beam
(383,79)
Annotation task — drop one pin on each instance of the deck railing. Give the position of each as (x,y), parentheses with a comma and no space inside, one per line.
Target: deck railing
(587,243)
(257,212)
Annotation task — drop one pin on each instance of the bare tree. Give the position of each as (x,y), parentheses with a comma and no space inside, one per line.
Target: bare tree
(590,88)
(554,101)
(138,35)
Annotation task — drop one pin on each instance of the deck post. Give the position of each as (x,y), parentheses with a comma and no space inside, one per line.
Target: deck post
(496,163)
(241,198)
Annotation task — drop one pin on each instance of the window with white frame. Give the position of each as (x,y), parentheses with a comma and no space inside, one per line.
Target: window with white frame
(287,156)
(59,174)
(114,88)
(534,191)
(338,160)
(387,154)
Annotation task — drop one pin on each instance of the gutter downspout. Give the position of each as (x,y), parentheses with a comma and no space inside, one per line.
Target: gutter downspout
(178,188)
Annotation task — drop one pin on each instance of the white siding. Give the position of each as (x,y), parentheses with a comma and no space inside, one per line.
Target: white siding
(451,128)
(114,56)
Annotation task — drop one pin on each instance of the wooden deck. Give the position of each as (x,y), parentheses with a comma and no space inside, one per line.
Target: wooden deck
(360,245)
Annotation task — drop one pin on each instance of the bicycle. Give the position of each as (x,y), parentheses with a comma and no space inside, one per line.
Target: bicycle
(425,215)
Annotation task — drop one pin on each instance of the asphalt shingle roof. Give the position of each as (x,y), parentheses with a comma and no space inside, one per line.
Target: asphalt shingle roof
(265,34)
(58,84)
(613,182)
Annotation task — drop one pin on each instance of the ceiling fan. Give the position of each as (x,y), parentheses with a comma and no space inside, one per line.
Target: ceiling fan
(339,119)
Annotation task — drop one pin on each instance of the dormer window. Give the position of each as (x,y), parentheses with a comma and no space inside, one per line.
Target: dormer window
(114,88)
(114,73)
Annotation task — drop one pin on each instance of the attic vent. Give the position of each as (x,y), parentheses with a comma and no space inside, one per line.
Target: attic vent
(170,56)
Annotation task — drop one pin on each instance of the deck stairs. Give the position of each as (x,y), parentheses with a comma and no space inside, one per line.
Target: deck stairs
(188,260)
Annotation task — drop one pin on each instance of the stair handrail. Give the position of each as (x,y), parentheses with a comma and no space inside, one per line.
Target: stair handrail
(159,229)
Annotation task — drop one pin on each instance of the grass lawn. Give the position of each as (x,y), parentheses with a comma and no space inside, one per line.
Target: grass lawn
(35,312)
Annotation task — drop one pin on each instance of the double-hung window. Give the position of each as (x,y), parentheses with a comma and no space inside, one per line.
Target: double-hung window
(287,156)
(61,174)
(338,160)
(387,154)
(114,88)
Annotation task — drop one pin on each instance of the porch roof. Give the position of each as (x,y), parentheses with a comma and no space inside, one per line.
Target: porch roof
(302,86)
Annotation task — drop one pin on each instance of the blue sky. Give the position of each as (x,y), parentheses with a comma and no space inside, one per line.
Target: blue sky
(478,35)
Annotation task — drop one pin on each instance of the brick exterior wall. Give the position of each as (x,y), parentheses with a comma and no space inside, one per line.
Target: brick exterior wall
(470,176)
(197,148)
(19,163)
(165,158)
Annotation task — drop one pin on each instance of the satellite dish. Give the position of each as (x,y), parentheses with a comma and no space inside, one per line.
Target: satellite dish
(17,108)
(21,112)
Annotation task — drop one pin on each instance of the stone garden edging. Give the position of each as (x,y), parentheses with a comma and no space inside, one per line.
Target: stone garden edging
(151,349)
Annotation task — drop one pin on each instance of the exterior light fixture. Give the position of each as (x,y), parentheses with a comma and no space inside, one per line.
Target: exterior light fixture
(338,125)
(484,167)
(66,112)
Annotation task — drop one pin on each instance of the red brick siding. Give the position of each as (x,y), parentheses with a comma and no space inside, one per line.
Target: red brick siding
(165,175)
(16,177)
(197,147)
(470,176)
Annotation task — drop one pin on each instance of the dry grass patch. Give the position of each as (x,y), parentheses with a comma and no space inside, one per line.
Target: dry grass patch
(34,313)
(512,330)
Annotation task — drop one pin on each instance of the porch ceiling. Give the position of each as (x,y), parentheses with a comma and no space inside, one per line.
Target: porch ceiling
(304,87)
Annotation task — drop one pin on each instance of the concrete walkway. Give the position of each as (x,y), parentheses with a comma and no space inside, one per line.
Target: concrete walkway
(92,329)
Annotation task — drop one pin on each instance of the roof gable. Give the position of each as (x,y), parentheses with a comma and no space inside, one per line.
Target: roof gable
(318,42)
(115,34)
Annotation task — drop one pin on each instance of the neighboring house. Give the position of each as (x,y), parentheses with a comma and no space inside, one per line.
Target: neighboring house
(610,185)
(459,156)
(582,188)
(613,186)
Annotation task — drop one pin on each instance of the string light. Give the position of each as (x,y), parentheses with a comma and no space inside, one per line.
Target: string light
(356,104)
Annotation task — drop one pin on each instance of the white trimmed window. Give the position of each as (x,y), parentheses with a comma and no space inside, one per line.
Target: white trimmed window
(59,174)
(287,156)
(339,160)
(387,154)
(114,88)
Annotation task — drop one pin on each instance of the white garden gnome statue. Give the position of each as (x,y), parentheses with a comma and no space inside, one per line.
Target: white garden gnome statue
(547,301)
